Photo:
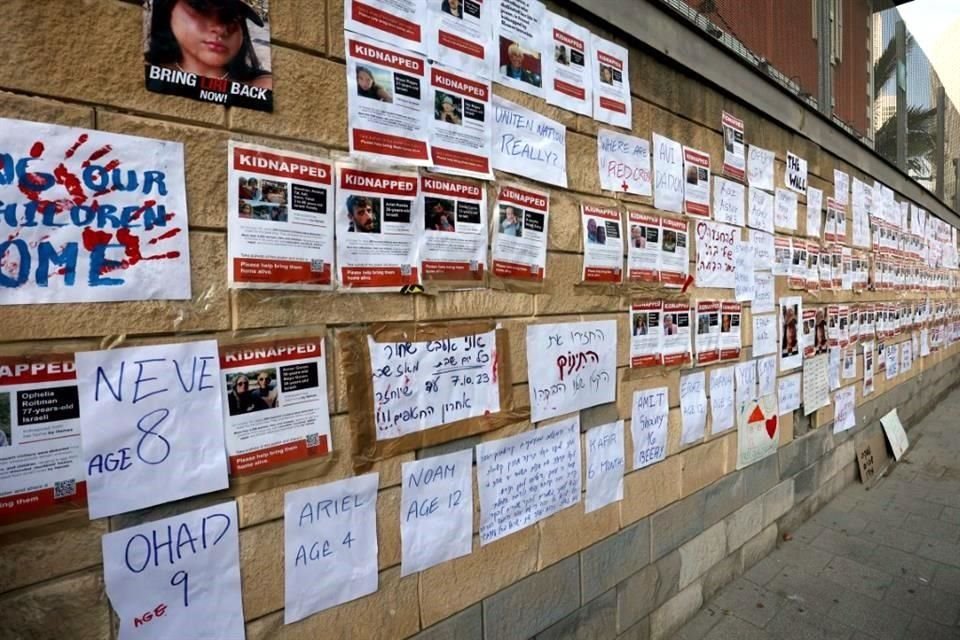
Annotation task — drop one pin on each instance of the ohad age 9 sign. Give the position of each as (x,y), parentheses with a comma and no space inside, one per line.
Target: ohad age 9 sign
(178,577)
(151,425)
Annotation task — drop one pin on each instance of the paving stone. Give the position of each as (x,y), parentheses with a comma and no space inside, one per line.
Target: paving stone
(708,617)
(950,514)
(927,630)
(804,556)
(805,591)
(759,547)
(807,531)
(940,551)
(857,577)
(861,612)
(722,574)
(841,544)
(639,631)
(746,600)
(932,528)
(596,619)
(922,600)
(899,563)
(793,624)
(737,629)
(947,578)
(892,537)
(612,560)
(841,521)
(534,603)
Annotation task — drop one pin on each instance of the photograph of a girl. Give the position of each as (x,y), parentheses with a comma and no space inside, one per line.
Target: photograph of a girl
(221,40)
(368,86)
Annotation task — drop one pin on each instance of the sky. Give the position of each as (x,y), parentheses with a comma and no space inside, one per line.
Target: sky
(929,21)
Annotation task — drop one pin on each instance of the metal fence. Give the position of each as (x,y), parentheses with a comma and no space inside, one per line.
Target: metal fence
(854,61)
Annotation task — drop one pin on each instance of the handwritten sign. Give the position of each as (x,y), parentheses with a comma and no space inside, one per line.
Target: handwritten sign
(528,144)
(722,399)
(436,510)
(897,437)
(760,214)
(788,393)
(760,168)
(90,216)
(729,201)
(844,407)
(527,477)
(814,211)
(892,359)
(571,366)
(758,430)
(421,385)
(796,178)
(744,283)
(785,210)
(624,163)
(178,577)
(693,406)
(764,334)
(764,292)
(763,247)
(667,174)
(649,423)
(606,462)
(767,376)
(816,383)
(746,374)
(716,244)
(151,425)
(330,545)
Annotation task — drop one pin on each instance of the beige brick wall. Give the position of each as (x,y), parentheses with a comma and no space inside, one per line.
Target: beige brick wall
(78,63)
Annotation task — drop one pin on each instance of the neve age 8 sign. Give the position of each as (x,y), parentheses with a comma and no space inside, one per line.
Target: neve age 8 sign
(90,216)
(178,577)
(151,425)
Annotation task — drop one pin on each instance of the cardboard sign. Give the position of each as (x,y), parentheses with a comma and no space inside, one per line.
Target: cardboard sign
(893,429)
(758,430)
(872,456)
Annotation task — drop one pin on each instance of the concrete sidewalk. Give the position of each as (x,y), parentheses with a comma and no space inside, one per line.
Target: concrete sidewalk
(879,563)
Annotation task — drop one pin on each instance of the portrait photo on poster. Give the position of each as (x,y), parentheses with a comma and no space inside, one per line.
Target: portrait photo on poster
(215,52)
(519,41)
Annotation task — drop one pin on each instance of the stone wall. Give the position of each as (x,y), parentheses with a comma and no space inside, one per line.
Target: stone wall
(637,568)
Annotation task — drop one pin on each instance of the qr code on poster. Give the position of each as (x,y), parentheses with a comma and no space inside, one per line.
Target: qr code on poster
(313,440)
(405,270)
(64,488)
(316,266)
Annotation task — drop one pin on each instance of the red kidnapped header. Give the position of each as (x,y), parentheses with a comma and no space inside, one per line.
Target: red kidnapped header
(388,58)
(451,188)
(567,39)
(280,166)
(270,352)
(523,198)
(355,180)
(445,80)
(48,369)
(607,59)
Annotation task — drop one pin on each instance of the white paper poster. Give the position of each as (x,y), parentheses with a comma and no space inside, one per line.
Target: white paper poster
(459,36)
(676,333)
(746,374)
(674,253)
(509,498)
(785,210)
(693,406)
(906,356)
(763,246)
(814,211)
(868,367)
(760,168)
(734,151)
(421,385)
(649,423)
(122,233)
(436,510)
(567,74)
(521,219)
(397,21)
(456,231)
(767,376)
(274,402)
(844,407)
(520,39)
(722,399)
(796,176)
(892,357)
(611,83)
(816,383)
(716,246)
(696,182)
(667,174)
(764,334)
(848,369)
(571,366)
(896,436)
(40,458)
(729,201)
(330,545)
(743,272)
(461,127)
(834,368)
(790,314)
(602,244)
(379,225)
(788,393)
(758,430)
(841,187)
(624,163)
(606,462)
(279,219)
(389,116)
(151,425)
(178,577)
(760,214)
(528,144)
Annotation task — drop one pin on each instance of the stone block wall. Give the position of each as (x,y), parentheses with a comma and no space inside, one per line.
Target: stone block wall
(634,569)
